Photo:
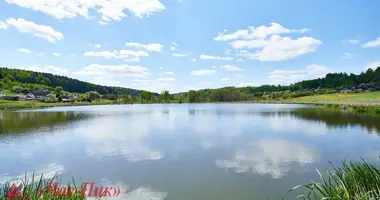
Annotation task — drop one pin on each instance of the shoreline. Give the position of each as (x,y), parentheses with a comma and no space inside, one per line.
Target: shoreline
(362,108)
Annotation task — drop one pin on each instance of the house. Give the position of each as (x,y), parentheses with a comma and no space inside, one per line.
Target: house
(68,98)
(40,94)
(30,96)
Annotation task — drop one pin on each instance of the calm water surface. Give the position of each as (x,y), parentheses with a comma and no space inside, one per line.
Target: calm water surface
(185,152)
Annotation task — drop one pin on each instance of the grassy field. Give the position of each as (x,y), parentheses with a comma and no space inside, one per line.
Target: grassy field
(365,98)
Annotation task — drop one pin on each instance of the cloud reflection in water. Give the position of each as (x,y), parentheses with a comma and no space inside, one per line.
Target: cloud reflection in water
(269,156)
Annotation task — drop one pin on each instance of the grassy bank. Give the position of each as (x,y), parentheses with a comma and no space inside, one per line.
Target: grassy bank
(38,104)
(351,181)
(365,98)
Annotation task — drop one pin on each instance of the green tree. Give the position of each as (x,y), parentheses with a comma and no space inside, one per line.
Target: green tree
(93,95)
(164,96)
(58,91)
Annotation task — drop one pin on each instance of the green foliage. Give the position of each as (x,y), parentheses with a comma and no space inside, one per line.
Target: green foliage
(352,181)
(11,77)
(147,97)
(58,91)
(92,95)
(164,97)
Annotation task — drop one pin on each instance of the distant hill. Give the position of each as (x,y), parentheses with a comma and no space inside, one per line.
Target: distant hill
(51,81)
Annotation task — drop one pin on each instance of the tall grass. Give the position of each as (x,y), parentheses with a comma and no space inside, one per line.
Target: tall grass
(41,189)
(351,181)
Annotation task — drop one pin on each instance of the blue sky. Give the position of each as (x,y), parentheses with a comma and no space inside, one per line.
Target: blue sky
(189,44)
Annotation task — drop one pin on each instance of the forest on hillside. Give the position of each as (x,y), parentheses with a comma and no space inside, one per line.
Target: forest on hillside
(332,82)
(38,80)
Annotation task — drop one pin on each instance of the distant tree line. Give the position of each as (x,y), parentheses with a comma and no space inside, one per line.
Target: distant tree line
(37,80)
(332,82)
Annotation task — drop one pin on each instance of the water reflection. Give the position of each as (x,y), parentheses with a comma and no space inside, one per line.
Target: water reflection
(114,136)
(326,118)
(23,122)
(269,156)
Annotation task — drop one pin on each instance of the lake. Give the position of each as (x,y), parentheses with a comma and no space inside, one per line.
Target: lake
(185,151)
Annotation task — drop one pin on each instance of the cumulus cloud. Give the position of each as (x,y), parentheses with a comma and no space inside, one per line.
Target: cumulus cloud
(170,73)
(109,10)
(149,47)
(117,54)
(56,54)
(24,50)
(265,43)
(174,46)
(351,41)
(202,72)
(292,76)
(373,43)
(165,79)
(208,57)
(348,56)
(180,54)
(98,46)
(257,32)
(245,84)
(373,65)
(277,48)
(114,70)
(231,68)
(41,31)
(27,51)
(47,69)
(3,25)
(268,156)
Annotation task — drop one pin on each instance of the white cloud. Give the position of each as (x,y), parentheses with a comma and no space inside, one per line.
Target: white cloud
(205,83)
(264,43)
(180,54)
(113,71)
(98,46)
(170,73)
(373,65)
(231,68)
(73,55)
(174,46)
(160,74)
(3,25)
(245,84)
(165,79)
(278,48)
(348,56)
(121,54)
(42,31)
(134,59)
(214,67)
(47,69)
(161,68)
(257,32)
(24,50)
(351,41)
(202,72)
(373,43)
(208,57)
(271,157)
(108,9)
(239,60)
(149,47)
(292,76)
(56,54)
(225,79)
